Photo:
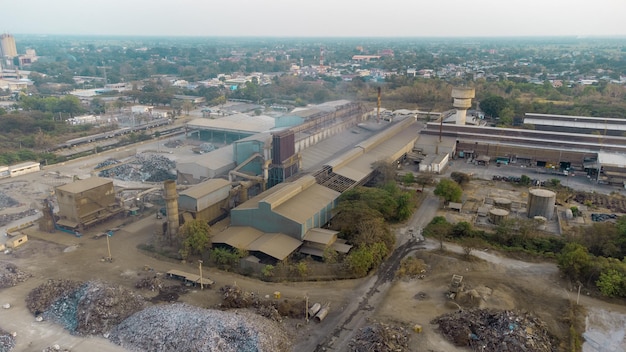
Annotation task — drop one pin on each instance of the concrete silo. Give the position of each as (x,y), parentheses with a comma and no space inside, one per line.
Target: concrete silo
(502,203)
(497,215)
(541,203)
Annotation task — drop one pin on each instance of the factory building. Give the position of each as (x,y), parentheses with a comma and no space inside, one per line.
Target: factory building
(292,208)
(86,202)
(207,201)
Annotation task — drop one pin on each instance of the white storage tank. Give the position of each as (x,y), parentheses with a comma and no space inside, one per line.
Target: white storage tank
(541,203)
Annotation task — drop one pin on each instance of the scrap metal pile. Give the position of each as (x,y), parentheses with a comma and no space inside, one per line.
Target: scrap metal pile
(234,297)
(6,219)
(83,308)
(96,308)
(7,341)
(6,201)
(497,330)
(181,327)
(144,167)
(10,275)
(381,337)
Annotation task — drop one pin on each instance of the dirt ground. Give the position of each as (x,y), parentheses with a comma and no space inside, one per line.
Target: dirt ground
(503,283)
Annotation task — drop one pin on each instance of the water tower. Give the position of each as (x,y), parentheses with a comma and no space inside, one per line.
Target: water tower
(462,101)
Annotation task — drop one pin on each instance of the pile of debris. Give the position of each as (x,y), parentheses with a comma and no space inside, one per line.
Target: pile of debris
(107,162)
(181,327)
(152,283)
(5,219)
(83,308)
(6,201)
(174,143)
(235,297)
(7,341)
(380,337)
(497,330)
(10,275)
(55,348)
(145,167)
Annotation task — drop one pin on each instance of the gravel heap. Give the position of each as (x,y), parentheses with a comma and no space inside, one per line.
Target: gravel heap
(83,308)
(381,338)
(495,330)
(145,167)
(7,341)
(181,327)
(10,275)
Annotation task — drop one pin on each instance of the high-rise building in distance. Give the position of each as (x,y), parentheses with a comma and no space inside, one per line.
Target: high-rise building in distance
(7,46)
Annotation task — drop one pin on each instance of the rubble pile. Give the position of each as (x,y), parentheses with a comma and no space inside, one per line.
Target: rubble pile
(497,330)
(181,327)
(148,167)
(7,341)
(10,275)
(6,201)
(152,283)
(83,308)
(55,348)
(380,337)
(107,162)
(174,143)
(235,297)
(5,219)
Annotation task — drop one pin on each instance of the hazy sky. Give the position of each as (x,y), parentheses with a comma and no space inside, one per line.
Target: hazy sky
(293,18)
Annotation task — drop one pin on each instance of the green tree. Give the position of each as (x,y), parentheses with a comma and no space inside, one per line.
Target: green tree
(195,236)
(461,178)
(612,283)
(449,190)
(493,105)
(408,178)
(360,260)
(574,261)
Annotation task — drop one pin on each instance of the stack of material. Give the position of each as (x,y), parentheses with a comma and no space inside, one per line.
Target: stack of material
(6,201)
(7,341)
(235,297)
(148,167)
(10,275)
(8,218)
(181,327)
(83,308)
(497,330)
(381,337)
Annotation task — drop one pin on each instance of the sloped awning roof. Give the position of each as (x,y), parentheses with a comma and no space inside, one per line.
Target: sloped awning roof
(276,245)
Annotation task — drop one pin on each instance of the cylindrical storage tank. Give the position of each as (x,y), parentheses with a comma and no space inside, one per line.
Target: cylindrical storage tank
(314,309)
(497,215)
(171,206)
(541,202)
(321,314)
(502,203)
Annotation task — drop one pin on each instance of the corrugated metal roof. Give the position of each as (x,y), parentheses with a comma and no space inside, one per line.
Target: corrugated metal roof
(388,150)
(235,123)
(319,235)
(276,245)
(599,125)
(237,236)
(202,189)
(84,185)
(307,203)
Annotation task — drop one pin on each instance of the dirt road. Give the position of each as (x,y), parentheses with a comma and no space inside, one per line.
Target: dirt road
(335,333)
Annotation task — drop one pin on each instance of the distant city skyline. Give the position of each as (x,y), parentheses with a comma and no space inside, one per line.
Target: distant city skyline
(321,18)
